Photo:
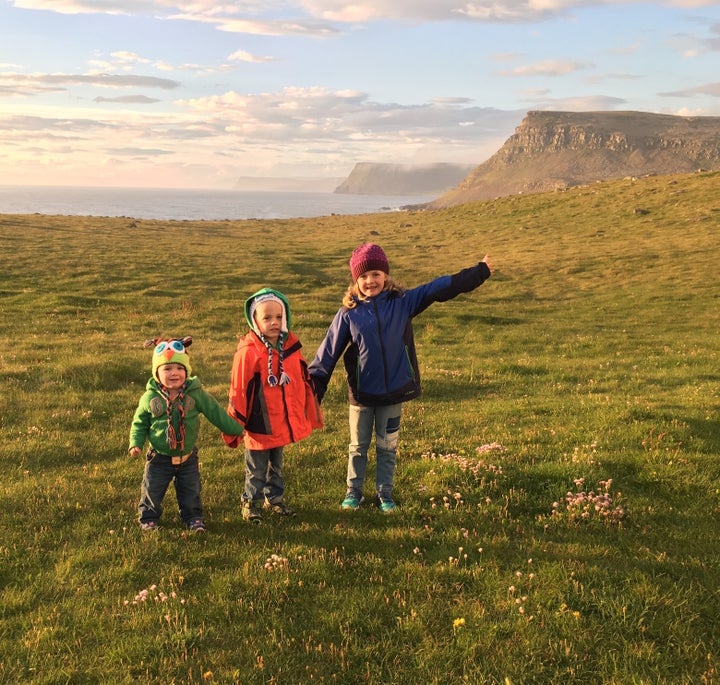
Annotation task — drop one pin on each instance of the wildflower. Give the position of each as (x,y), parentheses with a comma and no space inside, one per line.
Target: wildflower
(458,623)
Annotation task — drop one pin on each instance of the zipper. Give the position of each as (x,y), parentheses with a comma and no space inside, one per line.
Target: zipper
(382,346)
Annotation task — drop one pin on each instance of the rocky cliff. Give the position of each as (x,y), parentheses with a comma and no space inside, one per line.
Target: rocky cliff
(555,150)
(367,178)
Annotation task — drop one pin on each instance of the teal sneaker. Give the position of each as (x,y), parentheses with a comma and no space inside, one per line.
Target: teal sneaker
(387,506)
(351,502)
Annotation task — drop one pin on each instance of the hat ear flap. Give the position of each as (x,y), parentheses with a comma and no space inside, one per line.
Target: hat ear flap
(186,341)
(151,342)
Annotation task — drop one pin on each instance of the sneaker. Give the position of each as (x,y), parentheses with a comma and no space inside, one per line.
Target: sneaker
(251,512)
(149,525)
(351,502)
(280,508)
(197,526)
(387,505)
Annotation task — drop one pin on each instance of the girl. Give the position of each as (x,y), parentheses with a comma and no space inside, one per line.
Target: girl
(373,333)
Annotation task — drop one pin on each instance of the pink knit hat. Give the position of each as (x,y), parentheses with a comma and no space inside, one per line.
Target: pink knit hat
(368,257)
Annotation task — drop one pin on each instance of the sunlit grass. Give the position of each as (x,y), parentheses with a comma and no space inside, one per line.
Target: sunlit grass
(558,479)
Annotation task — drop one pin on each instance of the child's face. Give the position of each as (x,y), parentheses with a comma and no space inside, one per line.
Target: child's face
(371,283)
(268,317)
(172,376)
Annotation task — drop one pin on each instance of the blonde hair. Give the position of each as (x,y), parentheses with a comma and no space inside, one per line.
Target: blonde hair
(353,294)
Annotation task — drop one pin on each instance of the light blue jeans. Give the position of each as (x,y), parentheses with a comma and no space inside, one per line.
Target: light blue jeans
(385,421)
(263,475)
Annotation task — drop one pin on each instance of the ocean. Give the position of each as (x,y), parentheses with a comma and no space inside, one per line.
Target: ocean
(184,204)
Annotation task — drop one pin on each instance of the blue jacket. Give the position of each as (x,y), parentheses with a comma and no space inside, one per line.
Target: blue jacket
(376,340)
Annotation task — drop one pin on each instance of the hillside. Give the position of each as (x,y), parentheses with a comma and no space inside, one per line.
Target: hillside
(367,178)
(557,150)
(559,517)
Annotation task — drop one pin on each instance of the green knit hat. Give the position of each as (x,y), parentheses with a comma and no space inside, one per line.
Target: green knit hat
(170,351)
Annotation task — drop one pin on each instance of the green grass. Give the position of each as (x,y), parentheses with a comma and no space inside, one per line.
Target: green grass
(588,363)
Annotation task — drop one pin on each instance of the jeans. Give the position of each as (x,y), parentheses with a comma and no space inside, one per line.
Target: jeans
(263,475)
(159,472)
(386,423)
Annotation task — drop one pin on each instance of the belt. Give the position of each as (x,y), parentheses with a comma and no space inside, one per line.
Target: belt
(175,461)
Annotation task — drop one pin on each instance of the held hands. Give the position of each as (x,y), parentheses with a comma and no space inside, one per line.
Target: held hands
(135,451)
(486,259)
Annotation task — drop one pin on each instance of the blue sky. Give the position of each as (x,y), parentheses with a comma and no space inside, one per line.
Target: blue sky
(194,93)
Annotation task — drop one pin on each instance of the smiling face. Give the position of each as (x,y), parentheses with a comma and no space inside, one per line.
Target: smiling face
(172,376)
(268,319)
(371,283)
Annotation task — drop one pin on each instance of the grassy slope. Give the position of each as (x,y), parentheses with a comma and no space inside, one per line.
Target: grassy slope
(591,354)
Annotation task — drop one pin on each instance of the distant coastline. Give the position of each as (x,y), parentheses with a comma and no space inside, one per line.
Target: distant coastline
(192,204)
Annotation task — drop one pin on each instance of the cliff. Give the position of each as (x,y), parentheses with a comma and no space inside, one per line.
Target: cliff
(556,150)
(367,178)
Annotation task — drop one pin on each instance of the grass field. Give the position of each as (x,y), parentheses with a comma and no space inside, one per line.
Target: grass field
(558,479)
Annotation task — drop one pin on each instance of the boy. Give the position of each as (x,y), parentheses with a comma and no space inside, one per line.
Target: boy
(168,416)
(271,395)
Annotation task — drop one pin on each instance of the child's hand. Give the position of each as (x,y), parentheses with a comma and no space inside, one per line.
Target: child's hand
(135,451)
(486,259)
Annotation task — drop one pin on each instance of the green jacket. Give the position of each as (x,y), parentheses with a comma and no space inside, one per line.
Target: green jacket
(150,420)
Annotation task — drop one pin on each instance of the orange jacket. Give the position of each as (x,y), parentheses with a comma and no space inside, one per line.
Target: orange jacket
(273,416)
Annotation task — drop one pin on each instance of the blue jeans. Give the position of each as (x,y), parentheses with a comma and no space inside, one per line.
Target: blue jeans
(263,475)
(386,423)
(159,472)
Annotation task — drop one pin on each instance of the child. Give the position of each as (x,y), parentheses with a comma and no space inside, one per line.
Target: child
(271,395)
(168,415)
(373,333)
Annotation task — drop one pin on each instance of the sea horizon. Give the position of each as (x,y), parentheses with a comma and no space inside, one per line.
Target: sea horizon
(195,204)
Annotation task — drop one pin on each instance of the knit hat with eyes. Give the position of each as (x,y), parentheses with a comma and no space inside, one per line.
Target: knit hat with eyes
(368,257)
(170,351)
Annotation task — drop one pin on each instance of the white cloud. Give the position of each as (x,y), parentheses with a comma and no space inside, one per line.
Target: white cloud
(244,56)
(319,18)
(548,68)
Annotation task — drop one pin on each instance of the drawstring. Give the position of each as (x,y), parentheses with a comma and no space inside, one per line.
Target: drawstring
(170,434)
(272,378)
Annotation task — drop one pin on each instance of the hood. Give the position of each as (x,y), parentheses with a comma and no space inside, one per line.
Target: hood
(262,294)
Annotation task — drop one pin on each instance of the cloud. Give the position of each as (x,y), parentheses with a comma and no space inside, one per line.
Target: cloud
(321,18)
(317,116)
(243,56)
(581,103)
(712,89)
(284,27)
(548,68)
(129,100)
(293,131)
(137,152)
(36,83)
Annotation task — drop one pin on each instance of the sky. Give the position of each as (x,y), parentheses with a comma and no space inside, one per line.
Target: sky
(205,94)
